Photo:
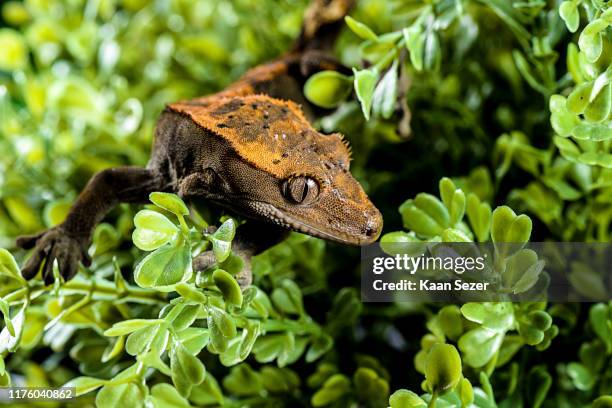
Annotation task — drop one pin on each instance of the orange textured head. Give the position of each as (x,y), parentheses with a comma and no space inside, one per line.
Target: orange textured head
(313,191)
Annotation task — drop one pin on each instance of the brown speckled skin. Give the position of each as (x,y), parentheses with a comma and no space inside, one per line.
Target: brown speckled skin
(235,148)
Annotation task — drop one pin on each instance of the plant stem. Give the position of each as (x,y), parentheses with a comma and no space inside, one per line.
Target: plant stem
(432,401)
(102,290)
(105,290)
(297,327)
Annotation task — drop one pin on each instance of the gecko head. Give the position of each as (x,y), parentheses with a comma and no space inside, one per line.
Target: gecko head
(325,204)
(279,169)
(333,207)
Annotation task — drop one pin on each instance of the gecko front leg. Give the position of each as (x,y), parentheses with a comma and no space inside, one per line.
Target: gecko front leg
(68,242)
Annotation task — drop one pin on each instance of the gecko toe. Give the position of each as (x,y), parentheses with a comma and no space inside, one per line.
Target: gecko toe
(69,266)
(85,258)
(28,241)
(48,268)
(204,261)
(32,266)
(51,245)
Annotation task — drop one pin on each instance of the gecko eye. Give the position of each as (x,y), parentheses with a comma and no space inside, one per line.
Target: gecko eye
(301,190)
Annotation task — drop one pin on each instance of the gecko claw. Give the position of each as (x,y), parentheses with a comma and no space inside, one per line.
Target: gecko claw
(49,246)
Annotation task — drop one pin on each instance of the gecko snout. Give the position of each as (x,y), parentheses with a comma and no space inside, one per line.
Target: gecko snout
(373,226)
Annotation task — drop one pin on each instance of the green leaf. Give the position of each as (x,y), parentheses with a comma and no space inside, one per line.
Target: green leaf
(194,339)
(563,122)
(114,349)
(129,326)
(457,207)
(287,297)
(222,239)
(120,395)
(538,383)
(319,347)
(581,376)
(454,235)
(207,393)
(292,350)
(328,89)
(334,388)
(466,392)
(434,208)
(522,271)
(234,264)
(540,319)
(10,342)
(223,322)
(268,347)
(360,29)
(451,323)
(600,83)
(590,40)
(599,316)
(152,230)
(5,379)
(169,202)
(443,368)
(599,108)
(432,54)
(190,292)
(186,317)
(406,399)
(578,100)
(165,267)
(415,43)
(419,221)
(587,282)
(153,220)
(364,82)
(508,228)
(218,340)
(243,381)
(105,238)
(497,317)
(370,387)
(479,216)
(605,401)
(8,266)
(4,308)
(568,11)
(447,190)
(228,286)
(479,346)
(279,380)
(385,94)
(596,159)
(187,370)
(166,396)
(592,132)
(249,336)
(391,243)
(85,385)
(528,72)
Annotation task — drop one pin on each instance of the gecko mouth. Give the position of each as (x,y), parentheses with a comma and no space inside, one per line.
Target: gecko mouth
(270,213)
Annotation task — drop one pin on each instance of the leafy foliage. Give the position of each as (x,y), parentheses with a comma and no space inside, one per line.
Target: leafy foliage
(501,107)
